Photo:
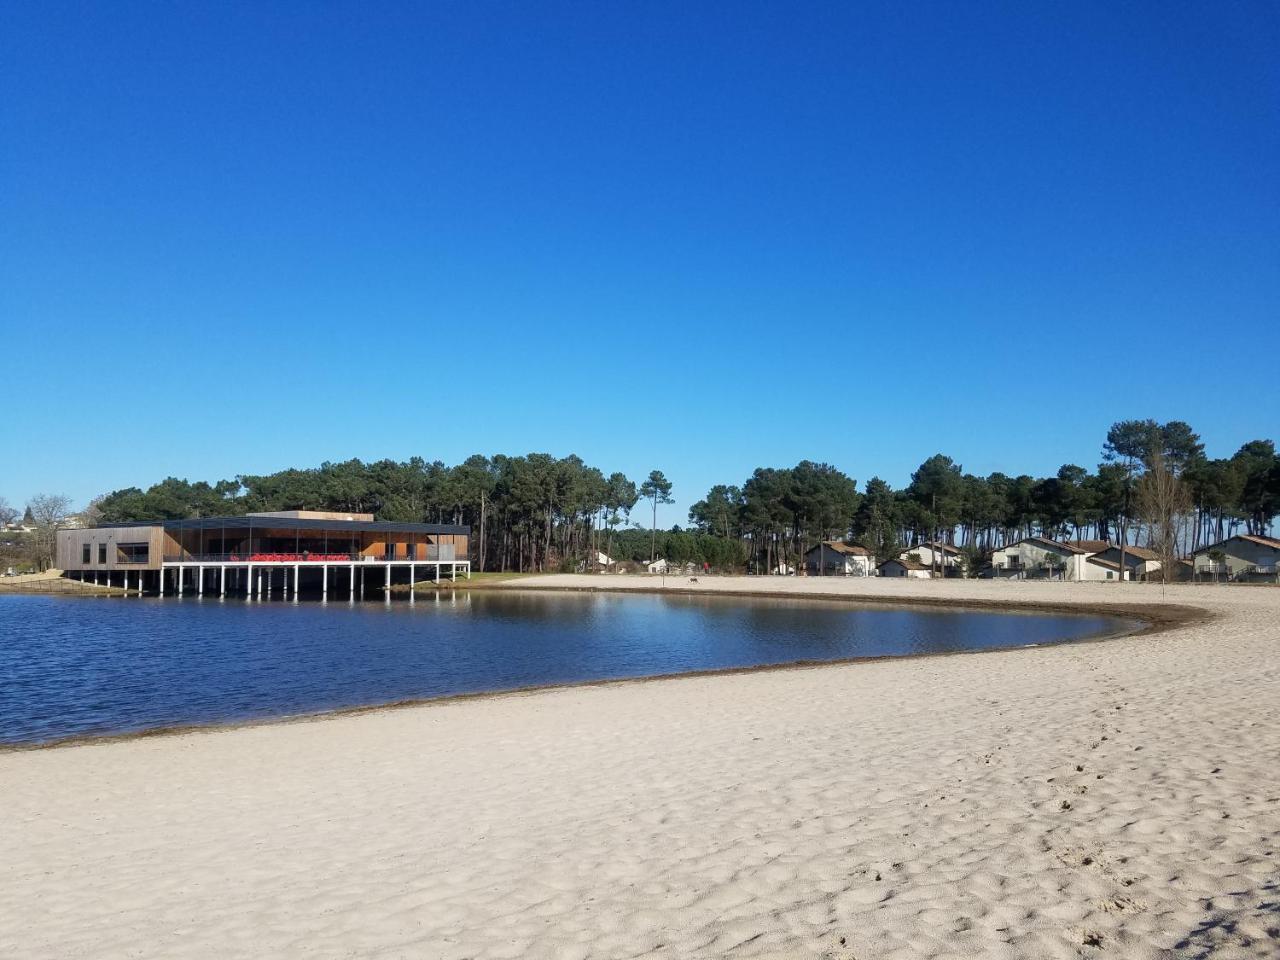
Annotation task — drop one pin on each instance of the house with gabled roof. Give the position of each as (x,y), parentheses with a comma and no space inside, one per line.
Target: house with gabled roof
(840,559)
(1140,563)
(937,555)
(1042,558)
(904,567)
(1245,556)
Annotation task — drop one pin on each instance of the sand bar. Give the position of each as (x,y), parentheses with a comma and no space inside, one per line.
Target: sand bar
(1117,799)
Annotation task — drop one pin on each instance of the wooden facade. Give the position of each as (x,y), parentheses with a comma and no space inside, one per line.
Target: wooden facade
(111,548)
(282,539)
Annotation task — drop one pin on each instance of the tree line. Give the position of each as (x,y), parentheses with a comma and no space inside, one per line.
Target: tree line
(527,513)
(1153,486)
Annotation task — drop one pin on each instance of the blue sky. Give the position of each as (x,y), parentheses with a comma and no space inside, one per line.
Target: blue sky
(698,237)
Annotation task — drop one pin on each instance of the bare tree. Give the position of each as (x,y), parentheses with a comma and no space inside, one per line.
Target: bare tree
(7,513)
(49,511)
(91,515)
(1163,501)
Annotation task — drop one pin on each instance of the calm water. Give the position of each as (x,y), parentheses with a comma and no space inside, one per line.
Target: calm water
(73,666)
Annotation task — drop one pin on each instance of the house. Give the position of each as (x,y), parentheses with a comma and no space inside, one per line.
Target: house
(937,555)
(834,558)
(904,567)
(1242,557)
(1043,558)
(657,566)
(1139,562)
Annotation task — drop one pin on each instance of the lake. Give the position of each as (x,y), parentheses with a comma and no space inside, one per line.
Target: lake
(72,666)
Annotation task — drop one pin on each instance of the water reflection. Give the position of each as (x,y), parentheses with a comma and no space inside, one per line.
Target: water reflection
(74,666)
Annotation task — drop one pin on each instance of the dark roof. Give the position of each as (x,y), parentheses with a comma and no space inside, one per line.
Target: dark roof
(1142,553)
(839,546)
(1091,546)
(1069,548)
(295,523)
(907,563)
(1271,542)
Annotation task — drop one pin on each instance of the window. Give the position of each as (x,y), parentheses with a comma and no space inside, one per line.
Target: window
(84,553)
(102,553)
(133,552)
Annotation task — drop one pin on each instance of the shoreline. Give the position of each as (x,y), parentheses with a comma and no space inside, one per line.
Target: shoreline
(1082,799)
(1146,620)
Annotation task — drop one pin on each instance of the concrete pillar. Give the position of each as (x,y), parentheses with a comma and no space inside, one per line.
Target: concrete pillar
(222,581)
(386,591)
(324,591)
(180,573)
(352,596)
(297,573)
(200,582)
(412,571)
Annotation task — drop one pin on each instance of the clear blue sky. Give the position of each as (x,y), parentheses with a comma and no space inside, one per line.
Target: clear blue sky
(698,237)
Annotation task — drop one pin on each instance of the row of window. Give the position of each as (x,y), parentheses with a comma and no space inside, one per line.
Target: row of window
(125,553)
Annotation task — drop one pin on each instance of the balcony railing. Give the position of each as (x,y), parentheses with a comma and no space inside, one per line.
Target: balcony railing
(303,557)
(265,557)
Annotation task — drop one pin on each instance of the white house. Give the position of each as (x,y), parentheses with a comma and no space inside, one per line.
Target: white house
(904,567)
(834,558)
(936,555)
(1243,556)
(1042,558)
(1139,562)
(657,566)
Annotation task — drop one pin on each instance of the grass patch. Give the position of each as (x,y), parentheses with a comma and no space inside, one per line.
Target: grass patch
(477,581)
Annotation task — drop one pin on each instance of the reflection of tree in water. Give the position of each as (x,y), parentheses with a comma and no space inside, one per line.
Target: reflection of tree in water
(1254,928)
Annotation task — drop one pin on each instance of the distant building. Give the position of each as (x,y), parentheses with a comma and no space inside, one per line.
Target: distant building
(1242,557)
(1140,563)
(937,556)
(1040,558)
(835,558)
(245,554)
(658,566)
(904,567)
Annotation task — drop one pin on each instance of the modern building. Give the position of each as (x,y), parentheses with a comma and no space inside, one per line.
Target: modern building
(265,553)
(835,558)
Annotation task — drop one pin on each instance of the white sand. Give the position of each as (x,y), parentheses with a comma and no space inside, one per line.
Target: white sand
(1115,799)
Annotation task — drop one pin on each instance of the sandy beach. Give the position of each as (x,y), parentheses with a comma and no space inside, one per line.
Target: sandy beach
(1109,799)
